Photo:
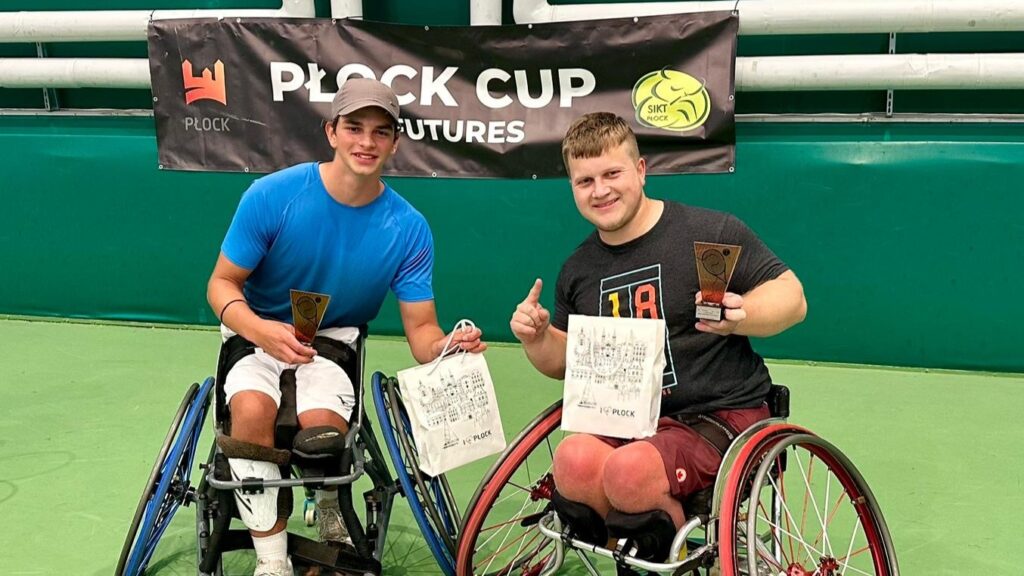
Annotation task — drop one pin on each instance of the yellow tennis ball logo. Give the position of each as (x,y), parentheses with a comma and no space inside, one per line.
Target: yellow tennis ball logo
(671,100)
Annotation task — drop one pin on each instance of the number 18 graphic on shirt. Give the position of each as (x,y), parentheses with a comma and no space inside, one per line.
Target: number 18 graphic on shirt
(638,294)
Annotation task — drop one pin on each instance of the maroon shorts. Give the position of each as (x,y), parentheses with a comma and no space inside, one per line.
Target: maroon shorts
(691,462)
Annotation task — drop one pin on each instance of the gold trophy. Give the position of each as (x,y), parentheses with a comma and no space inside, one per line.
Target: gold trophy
(307,312)
(715,265)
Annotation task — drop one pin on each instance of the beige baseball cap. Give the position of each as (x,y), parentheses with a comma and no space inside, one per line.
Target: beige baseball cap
(358,93)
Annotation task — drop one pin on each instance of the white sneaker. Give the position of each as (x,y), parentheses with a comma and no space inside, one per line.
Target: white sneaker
(274,568)
(330,523)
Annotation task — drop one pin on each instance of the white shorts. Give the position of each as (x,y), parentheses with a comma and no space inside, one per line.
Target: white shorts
(321,384)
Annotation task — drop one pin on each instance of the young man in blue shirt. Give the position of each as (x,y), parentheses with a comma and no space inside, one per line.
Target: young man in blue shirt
(333,228)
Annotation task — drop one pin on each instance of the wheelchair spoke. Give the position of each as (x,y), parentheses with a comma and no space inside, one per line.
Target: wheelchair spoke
(534,501)
(807,493)
(775,536)
(763,531)
(807,484)
(835,508)
(522,541)
(792,549)
(811,551)
(516,520)
(530,492)
(766,555)
(523,488)
(517,559)
(441,495)
(500,536)
(536,550)
(785,508)
(507,524)
(505,532)
(787,539)
(845,560)
(416,556)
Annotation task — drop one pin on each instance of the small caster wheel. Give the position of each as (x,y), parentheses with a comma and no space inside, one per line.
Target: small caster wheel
(309,512)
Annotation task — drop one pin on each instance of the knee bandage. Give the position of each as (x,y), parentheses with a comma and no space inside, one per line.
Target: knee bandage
(258,510)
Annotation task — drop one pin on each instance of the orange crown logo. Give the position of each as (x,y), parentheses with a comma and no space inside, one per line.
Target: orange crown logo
(209,86)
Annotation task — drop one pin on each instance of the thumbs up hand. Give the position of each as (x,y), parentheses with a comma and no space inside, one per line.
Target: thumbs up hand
(530,320)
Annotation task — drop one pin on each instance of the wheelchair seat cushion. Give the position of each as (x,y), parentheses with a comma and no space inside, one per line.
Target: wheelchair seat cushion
(579,520)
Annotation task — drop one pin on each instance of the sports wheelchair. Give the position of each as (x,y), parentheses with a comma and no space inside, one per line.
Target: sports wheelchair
(785,503)
(170,482)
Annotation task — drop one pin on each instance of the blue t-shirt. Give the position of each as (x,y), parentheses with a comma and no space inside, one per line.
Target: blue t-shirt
(292,234)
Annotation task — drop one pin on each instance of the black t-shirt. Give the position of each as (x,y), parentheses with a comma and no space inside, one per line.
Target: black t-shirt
(655,276)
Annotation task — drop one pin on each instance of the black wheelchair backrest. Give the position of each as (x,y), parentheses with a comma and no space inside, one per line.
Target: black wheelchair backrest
(235,348)
(778,401)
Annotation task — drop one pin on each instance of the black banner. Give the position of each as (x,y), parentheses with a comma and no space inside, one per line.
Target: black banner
(494,101)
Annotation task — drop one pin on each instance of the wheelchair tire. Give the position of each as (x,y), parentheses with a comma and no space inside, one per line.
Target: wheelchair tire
(430,499)
(168,485)
(499,534)
(794,504)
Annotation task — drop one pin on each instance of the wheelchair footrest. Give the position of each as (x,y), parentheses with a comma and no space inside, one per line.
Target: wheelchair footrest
(343,560)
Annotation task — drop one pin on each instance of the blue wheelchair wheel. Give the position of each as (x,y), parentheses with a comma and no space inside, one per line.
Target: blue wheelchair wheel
(442,503)
(430,498)
(169,482)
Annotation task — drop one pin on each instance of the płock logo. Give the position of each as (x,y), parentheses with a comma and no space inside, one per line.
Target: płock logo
(671,100)
(209,86)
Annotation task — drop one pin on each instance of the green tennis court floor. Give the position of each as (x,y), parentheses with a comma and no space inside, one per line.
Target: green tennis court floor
(84,408)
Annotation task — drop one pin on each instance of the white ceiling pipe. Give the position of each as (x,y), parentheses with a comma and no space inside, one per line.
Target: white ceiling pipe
(74,73)
(881,72)
(759,17)
(774,73)
(346,9)
(120,25)
(485,12)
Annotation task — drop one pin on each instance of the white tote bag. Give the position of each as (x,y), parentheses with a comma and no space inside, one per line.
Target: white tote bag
(613,376)
(452,409)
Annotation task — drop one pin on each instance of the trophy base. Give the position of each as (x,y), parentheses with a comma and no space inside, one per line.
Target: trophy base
(304,338)
(711,312)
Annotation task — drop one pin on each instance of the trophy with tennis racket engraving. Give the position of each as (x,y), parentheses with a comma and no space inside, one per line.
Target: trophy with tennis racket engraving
(307,312)
(715,265)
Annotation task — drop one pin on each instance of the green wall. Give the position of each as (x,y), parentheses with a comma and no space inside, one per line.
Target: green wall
(908,237)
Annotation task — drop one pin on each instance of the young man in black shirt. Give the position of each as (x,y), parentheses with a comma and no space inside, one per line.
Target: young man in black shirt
(639,262)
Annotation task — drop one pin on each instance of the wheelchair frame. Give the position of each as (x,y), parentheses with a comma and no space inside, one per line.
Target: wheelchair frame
(169,486)
(742,541)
